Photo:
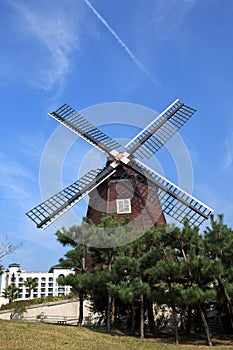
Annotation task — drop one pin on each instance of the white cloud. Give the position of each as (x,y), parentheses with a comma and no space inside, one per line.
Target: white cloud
(15,181)
(228,161)
(51,34)
(17,194)
(168,16)
(11,168)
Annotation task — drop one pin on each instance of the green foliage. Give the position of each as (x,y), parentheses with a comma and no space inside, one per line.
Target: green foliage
(18,310)
(219,245)
(11,293)
(36,301)
(174,267)
(31,284)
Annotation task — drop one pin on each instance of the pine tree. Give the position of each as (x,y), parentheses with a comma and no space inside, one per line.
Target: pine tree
(76,259)
(109,233)
(219,248)
(198,287)
(131,284)
(182,275)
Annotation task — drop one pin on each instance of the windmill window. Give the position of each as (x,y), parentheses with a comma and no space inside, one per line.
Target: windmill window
(123,206)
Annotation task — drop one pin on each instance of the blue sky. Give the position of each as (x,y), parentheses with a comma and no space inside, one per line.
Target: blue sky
(89,53)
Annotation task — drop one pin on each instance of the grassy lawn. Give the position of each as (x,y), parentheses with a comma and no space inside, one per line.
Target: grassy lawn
(39,336)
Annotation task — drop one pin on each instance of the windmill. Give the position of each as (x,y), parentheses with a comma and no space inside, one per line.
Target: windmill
(125,185)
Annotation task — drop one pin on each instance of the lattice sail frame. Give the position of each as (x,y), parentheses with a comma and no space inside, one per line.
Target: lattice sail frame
(50,210)
(160,130)
(174,201)
(82,127)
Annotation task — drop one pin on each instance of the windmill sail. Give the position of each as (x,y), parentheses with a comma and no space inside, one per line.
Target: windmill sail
(160,130)
(82,127)
(174,201)
(47,212)
(146,185)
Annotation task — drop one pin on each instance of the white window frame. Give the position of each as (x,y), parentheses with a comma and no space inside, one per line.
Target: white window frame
(123,206)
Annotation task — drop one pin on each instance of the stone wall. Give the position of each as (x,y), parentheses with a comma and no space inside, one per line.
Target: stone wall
(64,311)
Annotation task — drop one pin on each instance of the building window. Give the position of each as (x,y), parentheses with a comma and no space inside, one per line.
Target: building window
(123,206)
(21,279)
(50,279)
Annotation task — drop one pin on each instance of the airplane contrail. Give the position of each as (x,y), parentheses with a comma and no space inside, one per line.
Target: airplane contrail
(121,42)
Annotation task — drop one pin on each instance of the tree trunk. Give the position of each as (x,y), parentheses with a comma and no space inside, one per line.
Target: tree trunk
(228,299)
(113,311)
(141,316)
(133,319)
(175,325)
(207,330)
(151,319)
(109,299)
(81,296)
(189,320)
(109,313)
(80,318)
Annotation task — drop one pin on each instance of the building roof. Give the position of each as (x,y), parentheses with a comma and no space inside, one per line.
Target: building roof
(57,267)
(14,265)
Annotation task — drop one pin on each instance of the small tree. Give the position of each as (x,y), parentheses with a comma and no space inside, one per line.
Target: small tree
(10,293)
(31,284)
(18,310)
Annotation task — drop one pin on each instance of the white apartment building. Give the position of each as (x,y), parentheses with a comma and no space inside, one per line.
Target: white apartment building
(46,282)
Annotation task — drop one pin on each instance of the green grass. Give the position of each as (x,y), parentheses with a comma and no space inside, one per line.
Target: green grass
(38,336)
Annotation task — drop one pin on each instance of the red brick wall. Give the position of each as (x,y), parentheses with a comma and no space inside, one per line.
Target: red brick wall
(125,183)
